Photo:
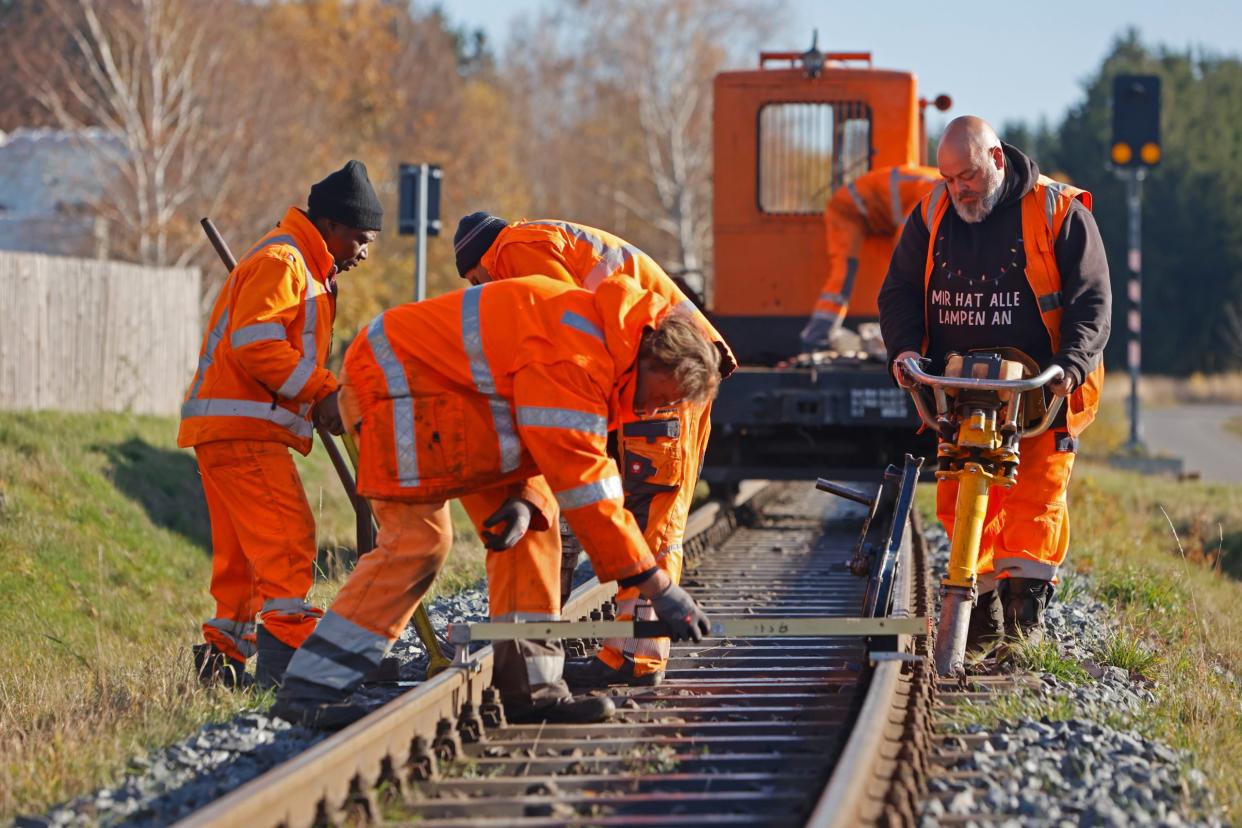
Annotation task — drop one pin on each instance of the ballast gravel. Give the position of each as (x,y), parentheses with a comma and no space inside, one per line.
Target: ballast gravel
(173,782)
(1089,769)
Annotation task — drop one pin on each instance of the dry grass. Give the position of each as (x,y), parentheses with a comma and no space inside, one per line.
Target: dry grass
(1197,388)
(106,550)
(1167,555)
(1169,580)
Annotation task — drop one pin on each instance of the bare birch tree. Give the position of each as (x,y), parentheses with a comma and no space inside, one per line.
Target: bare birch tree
(631,83)
(143,73)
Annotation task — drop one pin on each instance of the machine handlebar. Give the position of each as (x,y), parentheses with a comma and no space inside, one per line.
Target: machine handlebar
(938,383)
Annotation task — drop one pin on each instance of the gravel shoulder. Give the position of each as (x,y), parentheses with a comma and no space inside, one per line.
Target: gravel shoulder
(1069,752)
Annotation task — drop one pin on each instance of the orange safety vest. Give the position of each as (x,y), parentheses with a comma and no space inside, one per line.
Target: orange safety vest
(586,256)
(1044,209)
(260,368)
(501,382)
(873,205)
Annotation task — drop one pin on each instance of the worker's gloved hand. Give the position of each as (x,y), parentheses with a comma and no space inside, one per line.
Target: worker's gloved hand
(675,607)
(1064,386)
(814,335)
(327,414)
(899,374)
(512,519)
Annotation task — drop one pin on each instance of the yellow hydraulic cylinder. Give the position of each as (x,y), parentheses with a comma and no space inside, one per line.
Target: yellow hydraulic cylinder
(972,510)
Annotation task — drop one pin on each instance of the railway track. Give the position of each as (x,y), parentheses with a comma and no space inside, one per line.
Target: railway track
(763,731)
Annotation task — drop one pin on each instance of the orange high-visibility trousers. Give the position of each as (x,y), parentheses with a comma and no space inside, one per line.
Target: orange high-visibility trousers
(262,544)
(381,595)
(1027,529)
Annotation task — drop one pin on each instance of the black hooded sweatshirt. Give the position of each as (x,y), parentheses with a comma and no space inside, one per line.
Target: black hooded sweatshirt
(979,296)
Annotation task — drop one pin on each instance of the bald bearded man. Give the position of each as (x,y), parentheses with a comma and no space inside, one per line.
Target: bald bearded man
(1012,259)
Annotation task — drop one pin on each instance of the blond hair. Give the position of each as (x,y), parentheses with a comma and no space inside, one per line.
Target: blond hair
(677,346)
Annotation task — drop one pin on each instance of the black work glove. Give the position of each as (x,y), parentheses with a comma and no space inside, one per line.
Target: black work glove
(515,515)
(675,607)
(327,415)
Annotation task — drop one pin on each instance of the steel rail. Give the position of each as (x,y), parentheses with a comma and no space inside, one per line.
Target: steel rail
(311,786)
(742,732)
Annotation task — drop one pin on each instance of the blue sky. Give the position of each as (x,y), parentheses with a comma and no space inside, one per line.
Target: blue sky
(1021,63)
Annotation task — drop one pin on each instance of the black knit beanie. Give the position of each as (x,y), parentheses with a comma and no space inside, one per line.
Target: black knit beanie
(346,196)
(475,234)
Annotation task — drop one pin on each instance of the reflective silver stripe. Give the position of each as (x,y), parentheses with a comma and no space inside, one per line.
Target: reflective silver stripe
(612,258)
(933,201)
(236,631)
(481,372)
(858,199)
(247,408)
(544,669)
(1052,191)
(894,194)
(293,606)
(825,315)
(404,437)
(686,306)
(1025,568)
(297,379)
(832,297)
(566,418)
(342,634)
(209,352)
(1050,301)
(258,332)
(581,323)
(607,489)
(284,238)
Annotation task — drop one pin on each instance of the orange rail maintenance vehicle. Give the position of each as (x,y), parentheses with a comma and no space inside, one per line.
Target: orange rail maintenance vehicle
(786,136)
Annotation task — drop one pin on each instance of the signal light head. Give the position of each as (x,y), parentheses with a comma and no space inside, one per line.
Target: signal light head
(1150,153)
(1122,152)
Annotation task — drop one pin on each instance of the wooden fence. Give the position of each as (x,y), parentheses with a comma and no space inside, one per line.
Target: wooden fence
(86,335)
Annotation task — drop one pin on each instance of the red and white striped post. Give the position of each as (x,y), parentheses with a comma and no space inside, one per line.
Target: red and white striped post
(1134,318)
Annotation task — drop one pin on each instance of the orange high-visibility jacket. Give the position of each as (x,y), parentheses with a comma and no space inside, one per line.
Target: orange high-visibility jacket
(586,256)
(874,205)
(260,368)
(501,382)
(1044,209)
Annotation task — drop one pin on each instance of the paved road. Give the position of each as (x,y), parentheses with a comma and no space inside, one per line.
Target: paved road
(1196,434)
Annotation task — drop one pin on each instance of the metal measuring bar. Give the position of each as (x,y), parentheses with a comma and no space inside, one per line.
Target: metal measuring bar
(460,634)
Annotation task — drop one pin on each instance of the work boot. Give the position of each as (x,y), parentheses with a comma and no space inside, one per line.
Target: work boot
(318,706)
(987,623)
(273,660)
(589,673)
(564,710)
(322,715)
(214,667)
(1024,601)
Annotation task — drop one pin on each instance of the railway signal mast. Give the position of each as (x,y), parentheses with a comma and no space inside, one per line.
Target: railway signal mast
(419,215)
(1135,150)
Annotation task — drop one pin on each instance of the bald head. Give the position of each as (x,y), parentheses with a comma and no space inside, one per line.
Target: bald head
(973,165)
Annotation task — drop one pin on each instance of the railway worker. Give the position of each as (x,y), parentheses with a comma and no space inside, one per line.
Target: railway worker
(660,453)
(1017,261)
(500,395)
(872,208)
(260,379)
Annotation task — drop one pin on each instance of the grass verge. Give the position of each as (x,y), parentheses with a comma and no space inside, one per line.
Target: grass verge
(1166,556)
(106,544)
